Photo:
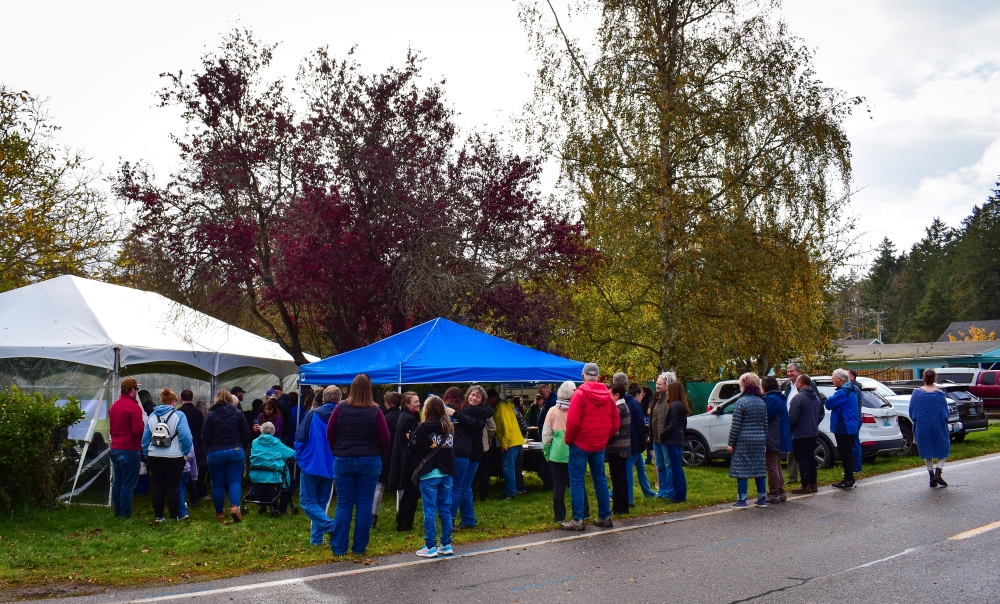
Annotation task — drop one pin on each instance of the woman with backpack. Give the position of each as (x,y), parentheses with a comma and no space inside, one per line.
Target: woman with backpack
(225,435)
(166,442)
(433,444)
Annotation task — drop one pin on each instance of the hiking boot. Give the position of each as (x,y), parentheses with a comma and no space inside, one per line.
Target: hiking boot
(783,496)
(938,479)
(773,498)
(572,525)
(604,522)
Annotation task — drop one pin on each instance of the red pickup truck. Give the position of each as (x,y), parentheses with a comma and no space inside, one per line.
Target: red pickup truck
(984,383)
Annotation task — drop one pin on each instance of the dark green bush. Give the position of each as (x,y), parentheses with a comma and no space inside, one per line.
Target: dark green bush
(31,445)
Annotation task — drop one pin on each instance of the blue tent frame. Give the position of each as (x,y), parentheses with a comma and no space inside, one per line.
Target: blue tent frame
(442,352)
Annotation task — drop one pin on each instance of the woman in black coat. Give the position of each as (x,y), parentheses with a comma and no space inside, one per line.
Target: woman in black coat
(402,465)
(391,402)
(469,420)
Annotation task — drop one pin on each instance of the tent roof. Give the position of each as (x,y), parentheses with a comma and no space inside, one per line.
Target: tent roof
(441,351)
(82,321)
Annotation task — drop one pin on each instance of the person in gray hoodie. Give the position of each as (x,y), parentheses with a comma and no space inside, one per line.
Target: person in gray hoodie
(805,412)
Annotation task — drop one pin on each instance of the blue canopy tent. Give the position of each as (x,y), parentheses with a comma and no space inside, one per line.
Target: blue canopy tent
(442,352)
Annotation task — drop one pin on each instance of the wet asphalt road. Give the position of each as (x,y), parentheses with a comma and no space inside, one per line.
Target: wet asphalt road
(892,539)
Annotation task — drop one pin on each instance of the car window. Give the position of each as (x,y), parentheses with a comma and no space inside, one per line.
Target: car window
(728,409)
(728,391)
(871,400)
(959,377)
(959,396)
(879,387)
(989,378)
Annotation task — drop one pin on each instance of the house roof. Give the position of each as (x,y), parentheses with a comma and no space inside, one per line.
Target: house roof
(966,326)
(921,350)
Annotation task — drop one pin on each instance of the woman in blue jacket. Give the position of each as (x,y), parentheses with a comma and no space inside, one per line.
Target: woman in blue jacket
(845,421)
(929,412)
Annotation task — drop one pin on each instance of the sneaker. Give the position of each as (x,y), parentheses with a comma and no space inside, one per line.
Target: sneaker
(761,501)
(427,552)
(843,484)
(185,517)
(234,513)
(783,497)
(159,520)
(506,498)
(521,491)
(741,504)
(445,550)
(463,527)
(604,522)
(572,525)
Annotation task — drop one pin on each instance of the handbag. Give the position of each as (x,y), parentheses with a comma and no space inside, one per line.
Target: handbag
(415,478)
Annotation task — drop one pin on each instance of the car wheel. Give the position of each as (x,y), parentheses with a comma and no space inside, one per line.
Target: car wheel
(909,447)
(695,452)
(869,457)
(824,453)
(957,438)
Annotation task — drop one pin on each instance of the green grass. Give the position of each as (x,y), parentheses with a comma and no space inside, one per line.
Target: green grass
(85,545)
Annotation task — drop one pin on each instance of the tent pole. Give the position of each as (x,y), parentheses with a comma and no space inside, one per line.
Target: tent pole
(89,437)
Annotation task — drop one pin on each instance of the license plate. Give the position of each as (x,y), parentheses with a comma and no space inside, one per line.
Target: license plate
(886,423)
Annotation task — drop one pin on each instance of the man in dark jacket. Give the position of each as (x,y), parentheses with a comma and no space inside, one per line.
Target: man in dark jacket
(638,440)
(548,401)
(195,421)
(804,415)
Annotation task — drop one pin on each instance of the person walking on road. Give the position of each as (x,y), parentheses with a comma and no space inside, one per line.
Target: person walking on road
(556,451)
(617,452)
(166,443)
(779,438)
(590,422)
(748,441)
(315,462)
(657,421)
(226,435)
(672,438)
(929,411)
(126,428)
(358,437)
(845,421)
(433,444)
(804,415)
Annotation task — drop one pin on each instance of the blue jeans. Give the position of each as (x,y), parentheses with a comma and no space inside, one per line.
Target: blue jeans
(226,469)
(578,462)
(461,495)
(743,486)
(314,499)
(663,471)
(182,506)
(125,465)
(635,461)
(356,479)
(436,496)
(678,481)
(510,471)
(857,453)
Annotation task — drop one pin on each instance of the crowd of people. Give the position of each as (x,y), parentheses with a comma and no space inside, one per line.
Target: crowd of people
(434,452)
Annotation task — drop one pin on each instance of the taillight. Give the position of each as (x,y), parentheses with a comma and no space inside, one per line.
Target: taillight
(708,408)
(867,419)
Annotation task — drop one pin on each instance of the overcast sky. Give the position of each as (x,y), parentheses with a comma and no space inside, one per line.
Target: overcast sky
(930,72)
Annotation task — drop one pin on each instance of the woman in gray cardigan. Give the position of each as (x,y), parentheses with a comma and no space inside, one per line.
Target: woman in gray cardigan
(748,440)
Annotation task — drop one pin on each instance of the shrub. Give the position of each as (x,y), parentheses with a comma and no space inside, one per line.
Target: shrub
(31,444)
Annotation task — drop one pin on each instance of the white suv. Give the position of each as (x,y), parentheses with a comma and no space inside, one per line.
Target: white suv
(707,434)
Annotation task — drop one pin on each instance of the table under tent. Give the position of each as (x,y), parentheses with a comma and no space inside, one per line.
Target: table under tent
(442,352)
(77,337)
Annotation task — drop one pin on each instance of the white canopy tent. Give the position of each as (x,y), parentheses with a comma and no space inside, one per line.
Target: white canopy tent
(75,336)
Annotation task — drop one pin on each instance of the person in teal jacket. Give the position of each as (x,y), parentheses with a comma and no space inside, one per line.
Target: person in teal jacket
(269,464)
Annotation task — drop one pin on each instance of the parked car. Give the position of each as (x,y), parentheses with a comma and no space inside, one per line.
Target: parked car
(968,413)
(707,434)
(984,383)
